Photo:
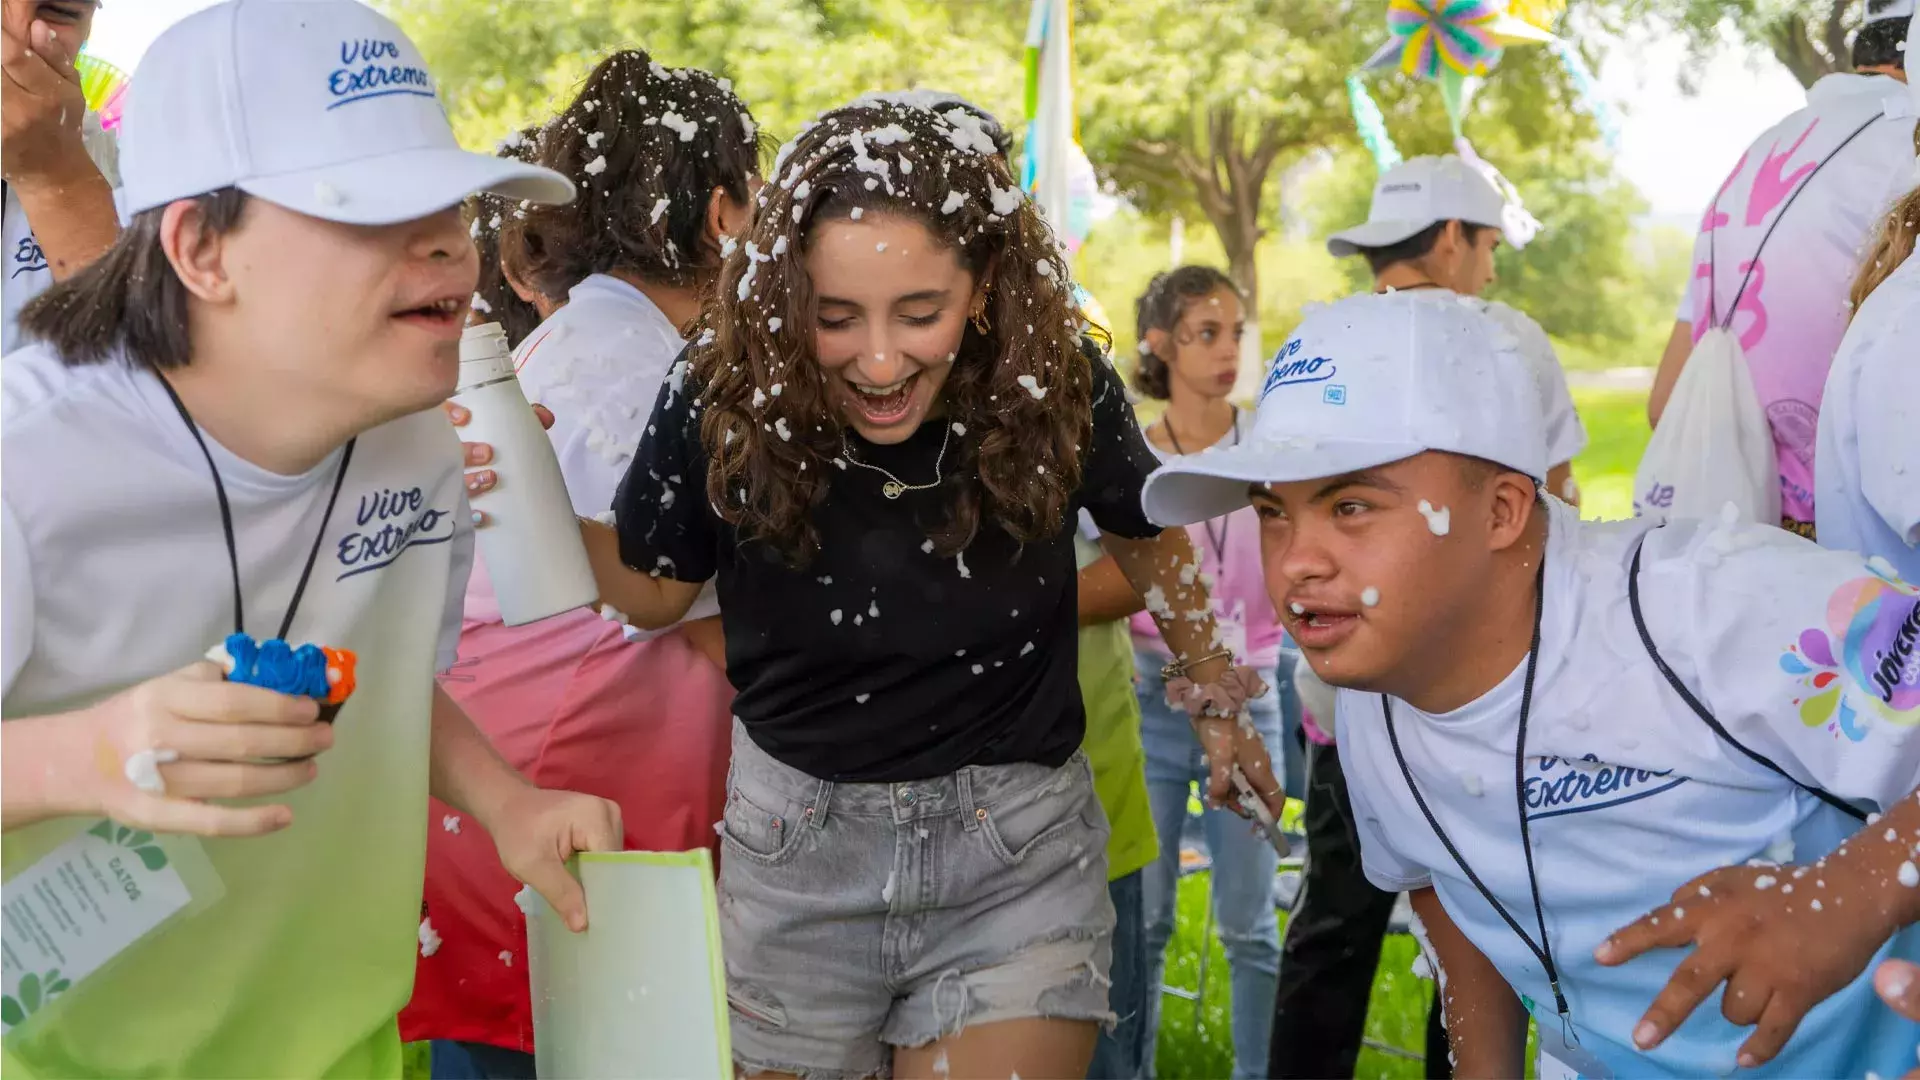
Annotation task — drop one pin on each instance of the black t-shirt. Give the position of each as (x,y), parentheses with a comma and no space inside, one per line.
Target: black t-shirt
(879,661)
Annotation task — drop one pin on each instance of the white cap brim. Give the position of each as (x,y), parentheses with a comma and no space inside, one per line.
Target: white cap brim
(1207,485)
(408,185)
(1372,234)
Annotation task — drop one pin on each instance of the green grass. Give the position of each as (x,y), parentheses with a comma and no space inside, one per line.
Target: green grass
(1617,432)
(1195,1042)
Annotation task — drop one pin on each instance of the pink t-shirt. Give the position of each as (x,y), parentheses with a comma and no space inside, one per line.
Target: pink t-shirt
(1229,550)
(1794,310)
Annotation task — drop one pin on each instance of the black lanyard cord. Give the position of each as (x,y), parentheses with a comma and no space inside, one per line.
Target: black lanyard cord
(1713,318)
(1543,950)
(226,520)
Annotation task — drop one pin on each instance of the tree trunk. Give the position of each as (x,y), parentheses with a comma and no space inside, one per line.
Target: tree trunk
(1241,239)
(1226,180)
(1808,53)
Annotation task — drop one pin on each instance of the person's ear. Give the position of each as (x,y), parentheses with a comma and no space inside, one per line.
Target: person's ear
(725,217)
(1511,507)
(518,284)
(198,255)
(1160,345)
(983,291)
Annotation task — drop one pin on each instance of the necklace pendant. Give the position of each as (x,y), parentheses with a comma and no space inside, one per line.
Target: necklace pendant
(893,489)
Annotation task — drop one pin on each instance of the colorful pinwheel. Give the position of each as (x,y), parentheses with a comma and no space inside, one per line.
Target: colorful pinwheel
(104,86)
(1430,37)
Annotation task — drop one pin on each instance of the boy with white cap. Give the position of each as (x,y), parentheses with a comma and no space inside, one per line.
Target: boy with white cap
(1431,233)
(1433,228)
(229,426)
(1521,758)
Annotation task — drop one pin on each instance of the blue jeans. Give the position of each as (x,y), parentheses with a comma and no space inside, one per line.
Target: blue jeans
(1243,862)
(1120,1053)
(478,1061)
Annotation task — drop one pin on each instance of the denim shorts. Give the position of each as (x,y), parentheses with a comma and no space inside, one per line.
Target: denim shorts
(860,917)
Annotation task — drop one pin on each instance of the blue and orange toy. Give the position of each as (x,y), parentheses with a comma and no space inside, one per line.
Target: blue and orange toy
(326,675)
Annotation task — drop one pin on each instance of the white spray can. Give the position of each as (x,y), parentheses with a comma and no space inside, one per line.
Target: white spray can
(532,540)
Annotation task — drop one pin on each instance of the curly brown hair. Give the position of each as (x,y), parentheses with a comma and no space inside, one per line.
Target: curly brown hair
(771,432)
(494,298)
(646,145)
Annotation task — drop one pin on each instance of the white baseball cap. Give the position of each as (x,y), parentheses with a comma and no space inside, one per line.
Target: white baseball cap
(321,106)
(1363,382)
(1424,191)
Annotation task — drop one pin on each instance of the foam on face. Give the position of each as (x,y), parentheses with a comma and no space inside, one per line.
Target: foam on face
(1439,522)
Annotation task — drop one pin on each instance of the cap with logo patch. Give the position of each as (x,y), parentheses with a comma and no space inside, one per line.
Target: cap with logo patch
(1424,191)
(1363,382)
(321,106)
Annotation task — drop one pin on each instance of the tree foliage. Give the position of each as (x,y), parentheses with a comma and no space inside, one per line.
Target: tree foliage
(1192,107)
(1810,38)
(505,63)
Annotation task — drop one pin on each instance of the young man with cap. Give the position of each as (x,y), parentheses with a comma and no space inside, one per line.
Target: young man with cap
(229,426)
(1780,243)
(1433,228)
(1431,234)
(1521,760)
(60,167)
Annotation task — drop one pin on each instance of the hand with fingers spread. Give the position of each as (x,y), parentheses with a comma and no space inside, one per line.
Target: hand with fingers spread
(152,756)
(482,480)
(1781,938)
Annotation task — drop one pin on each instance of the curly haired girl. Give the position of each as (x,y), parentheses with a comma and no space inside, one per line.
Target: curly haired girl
(879,445)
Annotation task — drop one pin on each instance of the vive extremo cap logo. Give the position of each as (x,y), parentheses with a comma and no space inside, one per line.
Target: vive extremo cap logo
(371,68)
(1290,369)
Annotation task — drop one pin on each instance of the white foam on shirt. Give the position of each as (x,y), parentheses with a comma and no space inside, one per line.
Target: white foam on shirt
(451,823)
(886,891)
(429,938)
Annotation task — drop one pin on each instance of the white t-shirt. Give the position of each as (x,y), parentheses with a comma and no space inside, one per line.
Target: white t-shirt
(1631,795)
(113,569)
(1565,435)
(1794,310)
(598,363)
(1867,474)
(27,272)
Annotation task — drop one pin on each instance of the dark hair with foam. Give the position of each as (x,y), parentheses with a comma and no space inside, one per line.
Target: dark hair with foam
(1161,308)
(494,298)
(646,145)
(1880,44)
(770,428)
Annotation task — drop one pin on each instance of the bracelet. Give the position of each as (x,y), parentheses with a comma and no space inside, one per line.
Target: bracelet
(1177,668)
(1224,698)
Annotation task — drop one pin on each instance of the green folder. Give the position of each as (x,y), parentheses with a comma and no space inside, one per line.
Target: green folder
(643,992)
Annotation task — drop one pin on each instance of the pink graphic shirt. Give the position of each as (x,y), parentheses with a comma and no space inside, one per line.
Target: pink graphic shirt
(1792,311)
